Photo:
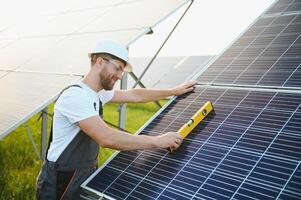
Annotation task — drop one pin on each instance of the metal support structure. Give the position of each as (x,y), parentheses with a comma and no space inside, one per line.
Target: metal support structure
(122,107)
(137,80)
(123,85)
(143,86)
(158,51)
(32,140)
(44,132)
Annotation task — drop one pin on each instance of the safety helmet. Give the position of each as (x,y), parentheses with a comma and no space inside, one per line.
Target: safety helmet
(114,48)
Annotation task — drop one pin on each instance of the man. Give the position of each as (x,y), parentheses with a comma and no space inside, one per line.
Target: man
(78,128)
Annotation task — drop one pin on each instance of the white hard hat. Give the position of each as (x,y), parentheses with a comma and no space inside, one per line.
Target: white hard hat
(114,48)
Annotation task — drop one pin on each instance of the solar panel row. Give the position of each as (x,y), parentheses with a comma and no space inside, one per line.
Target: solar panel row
(250,148)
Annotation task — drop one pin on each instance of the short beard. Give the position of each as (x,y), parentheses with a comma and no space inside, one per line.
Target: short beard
(105,83)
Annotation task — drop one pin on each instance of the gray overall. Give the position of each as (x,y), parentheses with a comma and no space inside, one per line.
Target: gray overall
(62,179)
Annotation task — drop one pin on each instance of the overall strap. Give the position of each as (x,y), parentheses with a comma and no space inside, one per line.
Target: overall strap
(81,152)
(50,136)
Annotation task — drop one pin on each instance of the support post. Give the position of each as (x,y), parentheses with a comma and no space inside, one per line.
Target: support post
(158,51)
(122,107)
(32,140)
(44,132)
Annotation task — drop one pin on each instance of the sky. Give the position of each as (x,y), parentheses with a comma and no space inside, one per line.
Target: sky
(207,28)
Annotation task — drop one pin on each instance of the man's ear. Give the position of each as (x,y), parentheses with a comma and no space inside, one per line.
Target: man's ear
(100,61)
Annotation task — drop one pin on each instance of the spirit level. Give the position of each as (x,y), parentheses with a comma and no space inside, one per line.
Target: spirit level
(195,119)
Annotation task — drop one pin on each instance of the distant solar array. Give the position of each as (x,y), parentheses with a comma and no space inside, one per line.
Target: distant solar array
(249,148)
(41,55)
(167,72)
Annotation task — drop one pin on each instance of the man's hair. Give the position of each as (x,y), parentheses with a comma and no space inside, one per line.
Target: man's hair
(94,57)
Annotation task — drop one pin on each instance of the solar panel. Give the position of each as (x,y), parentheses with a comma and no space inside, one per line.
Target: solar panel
(167,72)
(2,73)
(79,64)
(268,53)
(183,71)
(52,42)
(158,70)
(249,148)
(284,6)
(20,98)
(76,28)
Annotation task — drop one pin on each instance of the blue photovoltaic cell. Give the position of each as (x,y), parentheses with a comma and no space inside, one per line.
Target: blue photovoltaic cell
(292,189)
(249,148)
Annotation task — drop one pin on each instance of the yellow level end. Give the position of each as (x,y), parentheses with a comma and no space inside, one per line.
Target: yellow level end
(196,119)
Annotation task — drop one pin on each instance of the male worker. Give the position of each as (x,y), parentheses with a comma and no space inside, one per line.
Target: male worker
(78,128)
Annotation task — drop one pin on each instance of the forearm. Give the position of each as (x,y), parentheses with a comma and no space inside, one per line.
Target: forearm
(115,139)
(105,136)
(124,142)
(146,95)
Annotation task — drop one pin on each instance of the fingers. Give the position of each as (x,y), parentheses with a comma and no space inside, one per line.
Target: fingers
(170,140)
(176,142)
(174,146)
(190,83)
(186,87)
(189,89)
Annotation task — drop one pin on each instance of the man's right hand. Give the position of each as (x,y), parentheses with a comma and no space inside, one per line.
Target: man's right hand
(169,140)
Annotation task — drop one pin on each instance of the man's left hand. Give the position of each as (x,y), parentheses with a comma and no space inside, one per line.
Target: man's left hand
(184,88)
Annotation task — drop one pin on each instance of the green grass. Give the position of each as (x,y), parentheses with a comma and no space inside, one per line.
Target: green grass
(19,165)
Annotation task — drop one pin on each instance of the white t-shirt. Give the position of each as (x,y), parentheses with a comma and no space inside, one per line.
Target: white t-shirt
(74,105)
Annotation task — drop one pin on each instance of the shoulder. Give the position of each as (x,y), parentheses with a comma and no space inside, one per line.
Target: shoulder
(73,95)
(73,90)
(76,104)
